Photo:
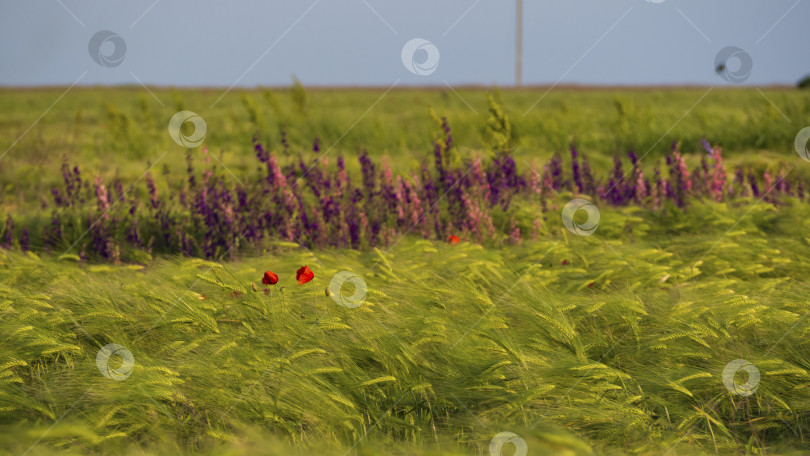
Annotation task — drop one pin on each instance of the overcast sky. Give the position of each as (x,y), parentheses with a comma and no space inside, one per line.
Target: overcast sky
(360,42)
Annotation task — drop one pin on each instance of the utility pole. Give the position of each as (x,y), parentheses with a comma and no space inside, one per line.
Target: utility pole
(519,44)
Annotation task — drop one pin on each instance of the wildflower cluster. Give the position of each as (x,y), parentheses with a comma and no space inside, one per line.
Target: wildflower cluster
(310,202)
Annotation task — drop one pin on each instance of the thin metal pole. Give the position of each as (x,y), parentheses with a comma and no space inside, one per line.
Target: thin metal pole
(519,44)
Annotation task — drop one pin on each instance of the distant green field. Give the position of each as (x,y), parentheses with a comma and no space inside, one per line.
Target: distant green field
(611,343)
(118,130)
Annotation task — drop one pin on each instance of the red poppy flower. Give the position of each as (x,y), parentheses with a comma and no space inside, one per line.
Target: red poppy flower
(270,278)
(304,275)
(453,239)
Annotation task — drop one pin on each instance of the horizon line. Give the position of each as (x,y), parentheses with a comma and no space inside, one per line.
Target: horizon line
(373,87)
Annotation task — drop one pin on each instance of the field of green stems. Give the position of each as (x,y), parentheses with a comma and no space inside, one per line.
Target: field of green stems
(417,272)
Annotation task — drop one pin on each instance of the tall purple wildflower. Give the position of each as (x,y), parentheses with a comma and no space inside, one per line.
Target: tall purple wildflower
(24,240)
(681,183)
(740,188)
(555,167)
(706,146)
(8,232)
(73,184)
(752,179)
(57,198)
(616,190)
(53,234)
(369,175)
(588,183)
(134,232)
(438,158)
(284,143)
(575,174)
(262,154)
(448,135)
(152,189)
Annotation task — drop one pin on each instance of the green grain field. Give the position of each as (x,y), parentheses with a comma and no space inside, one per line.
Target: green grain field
(613,343)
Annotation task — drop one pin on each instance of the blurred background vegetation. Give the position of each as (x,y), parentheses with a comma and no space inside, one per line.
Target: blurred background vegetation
(118,131)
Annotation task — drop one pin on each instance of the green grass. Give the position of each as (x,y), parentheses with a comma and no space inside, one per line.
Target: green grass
(609,344)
